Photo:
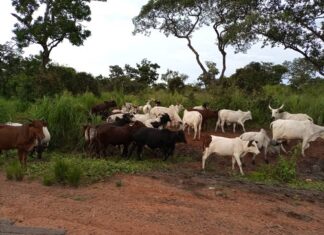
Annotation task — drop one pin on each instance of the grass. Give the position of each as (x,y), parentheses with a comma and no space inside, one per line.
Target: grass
(14,171)
(76,169)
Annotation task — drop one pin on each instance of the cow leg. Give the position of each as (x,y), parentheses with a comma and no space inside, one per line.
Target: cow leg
(195,132)
(253,159)
(265,154)
(217,123)
(305,145)
(238,160)
(199,131)
(282,148)
(132,147)
(222,125)
(125,150)
(234,127)
(204,158)
(233,163)
(139,151)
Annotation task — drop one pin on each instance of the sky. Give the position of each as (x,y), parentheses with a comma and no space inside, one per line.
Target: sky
(112,43)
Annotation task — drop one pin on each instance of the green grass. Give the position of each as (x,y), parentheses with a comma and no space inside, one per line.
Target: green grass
(14,171)
(75,169)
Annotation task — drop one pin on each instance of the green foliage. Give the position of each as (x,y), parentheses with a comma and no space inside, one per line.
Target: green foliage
(15,171)
(48,180)
(73,176)
(62,20)
(60,170)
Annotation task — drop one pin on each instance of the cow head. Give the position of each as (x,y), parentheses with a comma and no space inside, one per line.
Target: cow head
(36,128)
(276,113)
(252,147)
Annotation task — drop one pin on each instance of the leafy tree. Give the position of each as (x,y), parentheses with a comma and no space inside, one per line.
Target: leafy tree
(256,75)
(175,81)
(61,19)
(210,77)
(145,73)
(300,72)
(295,24)
(179,18)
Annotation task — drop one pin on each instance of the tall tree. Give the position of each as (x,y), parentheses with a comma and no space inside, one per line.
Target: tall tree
(295,24)
(179,18)
(49,22)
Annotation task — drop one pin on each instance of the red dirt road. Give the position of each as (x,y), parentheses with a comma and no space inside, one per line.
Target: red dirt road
(144,205)
(181,201)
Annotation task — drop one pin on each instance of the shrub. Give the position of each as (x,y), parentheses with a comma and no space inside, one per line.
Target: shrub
(14,170)
(61,170)
(285,170)
(48,180)
(74,175)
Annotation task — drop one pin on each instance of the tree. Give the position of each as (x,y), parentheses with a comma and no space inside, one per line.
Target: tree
(175,80)
(295,24)
(256,75)
(179,18)
(300,72)
(145,73)
(210,77)
(61,19)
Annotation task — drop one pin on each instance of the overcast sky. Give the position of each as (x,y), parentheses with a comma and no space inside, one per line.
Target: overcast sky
(112,43)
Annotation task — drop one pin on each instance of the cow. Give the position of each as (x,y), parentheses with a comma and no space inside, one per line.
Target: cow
(164,139)
(306,131)
(159,122)
(230,116)
(108,134)
(207,114)
(263,141)
(280,114)
(41,146)
(201,107)
(172,111)
(234,147)
(147,107)
(192,119)
(23,138)
(103,108)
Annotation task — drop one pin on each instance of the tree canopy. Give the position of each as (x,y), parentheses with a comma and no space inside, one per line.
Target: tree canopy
(49,22)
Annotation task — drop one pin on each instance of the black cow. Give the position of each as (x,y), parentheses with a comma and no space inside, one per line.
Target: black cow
(155,138)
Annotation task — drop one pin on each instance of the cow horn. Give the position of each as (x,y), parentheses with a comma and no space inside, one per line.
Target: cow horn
(281,106)
(270,107)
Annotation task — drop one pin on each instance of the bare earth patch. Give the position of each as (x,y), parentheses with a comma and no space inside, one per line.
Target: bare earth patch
(183,200)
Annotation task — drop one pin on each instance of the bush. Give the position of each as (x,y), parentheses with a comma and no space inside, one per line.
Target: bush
(285,170)
(14,170)
(61,170)
(74,175)
(48,180)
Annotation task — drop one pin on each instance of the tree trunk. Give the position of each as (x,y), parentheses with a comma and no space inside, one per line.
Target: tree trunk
(197,56)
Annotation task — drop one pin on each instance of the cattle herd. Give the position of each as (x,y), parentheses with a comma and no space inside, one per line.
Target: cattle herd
(158,127)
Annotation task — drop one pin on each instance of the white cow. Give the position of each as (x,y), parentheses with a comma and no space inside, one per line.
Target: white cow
(306,131)
(192,119)
(173,111)
(263,141)
(230,116)
(280,114)
(234,147)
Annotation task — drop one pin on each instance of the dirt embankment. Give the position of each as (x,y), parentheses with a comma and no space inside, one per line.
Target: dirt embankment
(183,200)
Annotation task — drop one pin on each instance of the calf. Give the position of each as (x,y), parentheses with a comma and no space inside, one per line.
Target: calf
(234,147)
(172,111)
(23,138)
(155,138)
(306,131)
(231,116)
(192,119)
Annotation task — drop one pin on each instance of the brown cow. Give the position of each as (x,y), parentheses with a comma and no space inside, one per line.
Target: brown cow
(206,114)
(103,109)
(23,138)
(107,134)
